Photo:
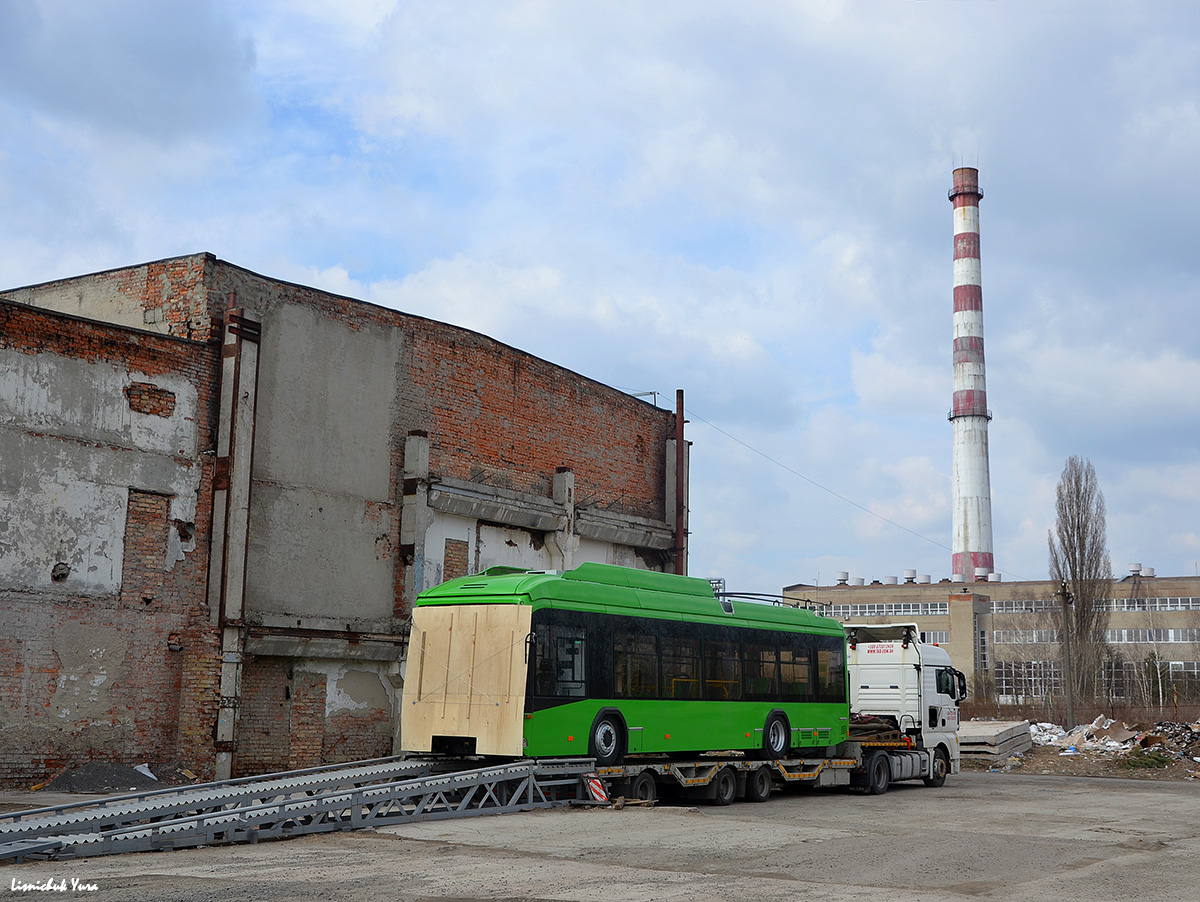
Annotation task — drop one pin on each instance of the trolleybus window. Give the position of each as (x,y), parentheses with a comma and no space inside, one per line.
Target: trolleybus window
(831,670)
(722,670)
(681,667)
(635,664)
(560,669)
(761,669)
(796,670)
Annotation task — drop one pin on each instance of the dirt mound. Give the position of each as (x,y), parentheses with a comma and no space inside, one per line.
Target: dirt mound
(101,776)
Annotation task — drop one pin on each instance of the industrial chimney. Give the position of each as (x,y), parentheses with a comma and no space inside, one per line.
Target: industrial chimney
(969,416)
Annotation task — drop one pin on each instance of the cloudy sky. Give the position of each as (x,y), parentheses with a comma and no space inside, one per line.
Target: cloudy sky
(746,201)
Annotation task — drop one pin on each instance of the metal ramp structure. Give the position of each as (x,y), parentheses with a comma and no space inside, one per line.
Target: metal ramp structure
(373,793)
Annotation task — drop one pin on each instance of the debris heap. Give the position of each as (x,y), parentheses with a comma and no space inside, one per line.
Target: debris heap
(1105,736)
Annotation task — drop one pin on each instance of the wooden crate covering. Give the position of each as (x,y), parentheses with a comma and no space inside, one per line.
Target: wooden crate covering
(466,677)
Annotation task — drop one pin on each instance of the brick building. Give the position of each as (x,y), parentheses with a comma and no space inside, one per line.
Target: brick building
(1006,635)
(219,494)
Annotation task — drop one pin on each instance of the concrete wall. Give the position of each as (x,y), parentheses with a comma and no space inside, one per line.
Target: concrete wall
(322,515)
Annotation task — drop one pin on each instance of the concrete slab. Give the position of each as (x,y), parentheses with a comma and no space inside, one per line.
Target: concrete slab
(991,732)
(997,752)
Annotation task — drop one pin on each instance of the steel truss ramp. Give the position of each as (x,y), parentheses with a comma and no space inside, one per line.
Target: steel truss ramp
(147,807)
(520,786)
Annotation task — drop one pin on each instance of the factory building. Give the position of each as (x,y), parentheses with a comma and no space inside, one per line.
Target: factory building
(1006,635)
(220,494)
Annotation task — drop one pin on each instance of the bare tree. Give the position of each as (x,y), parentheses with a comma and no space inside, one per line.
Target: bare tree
(1079,557)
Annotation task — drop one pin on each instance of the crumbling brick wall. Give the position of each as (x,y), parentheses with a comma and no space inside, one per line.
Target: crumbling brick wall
(90,675)
(494,415)
(265,719)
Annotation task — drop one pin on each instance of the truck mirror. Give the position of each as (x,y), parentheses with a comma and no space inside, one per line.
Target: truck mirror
(962,684)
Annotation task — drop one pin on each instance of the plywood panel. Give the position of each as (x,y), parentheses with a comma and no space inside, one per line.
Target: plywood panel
(466,677)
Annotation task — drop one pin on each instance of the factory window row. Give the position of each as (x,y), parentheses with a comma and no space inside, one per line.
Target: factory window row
(1018,681)
(1126,636)
(1113,637)
(935,637)
(1024,637)
(1147,683)
(1118,605)
(1021,606)
(891,609)
(1183,603)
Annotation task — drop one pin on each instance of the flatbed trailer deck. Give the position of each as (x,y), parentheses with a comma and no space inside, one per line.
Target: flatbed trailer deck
(869,765)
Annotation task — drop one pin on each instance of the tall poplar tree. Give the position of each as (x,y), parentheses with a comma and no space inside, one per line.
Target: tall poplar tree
(1079,557)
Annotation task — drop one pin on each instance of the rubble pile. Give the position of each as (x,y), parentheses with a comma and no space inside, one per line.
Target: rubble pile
(1104,736)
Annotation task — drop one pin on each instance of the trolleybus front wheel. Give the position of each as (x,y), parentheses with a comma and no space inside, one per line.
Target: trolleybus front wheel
(777,738)
(608,746)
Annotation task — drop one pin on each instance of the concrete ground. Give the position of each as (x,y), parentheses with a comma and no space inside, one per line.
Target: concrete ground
(982,836)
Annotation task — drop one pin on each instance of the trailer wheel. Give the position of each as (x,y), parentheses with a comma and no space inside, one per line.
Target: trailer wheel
(607,745)
(759,785)
(644,788)
(941,767)
(725,785)
(879,774)
(777,738)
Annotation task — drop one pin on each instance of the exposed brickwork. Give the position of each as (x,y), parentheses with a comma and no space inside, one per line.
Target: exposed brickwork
(145,550)
(145,397)
(172,294)
(284,726)
(456,559)
(353,737)
(266,716)
(307,732)
(507,419)
(94,677)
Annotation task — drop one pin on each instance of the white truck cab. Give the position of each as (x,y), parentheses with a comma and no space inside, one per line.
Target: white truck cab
(897,678)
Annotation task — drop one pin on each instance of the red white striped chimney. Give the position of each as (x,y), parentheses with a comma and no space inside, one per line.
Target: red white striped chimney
(972,493)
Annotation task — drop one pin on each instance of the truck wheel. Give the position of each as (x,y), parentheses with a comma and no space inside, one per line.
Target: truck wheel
(644,788)
(777,738)
(941,767)
(759,785)
(725,784)
(607,745)
(879,773)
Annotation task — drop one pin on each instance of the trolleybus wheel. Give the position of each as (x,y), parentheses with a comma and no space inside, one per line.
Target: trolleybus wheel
(777,738)
(759,785)
(726,786)
(941,767)
(644,788)
(607,746)
(879,773)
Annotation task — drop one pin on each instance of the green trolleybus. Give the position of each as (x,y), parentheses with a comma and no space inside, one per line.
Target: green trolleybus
(605,661)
